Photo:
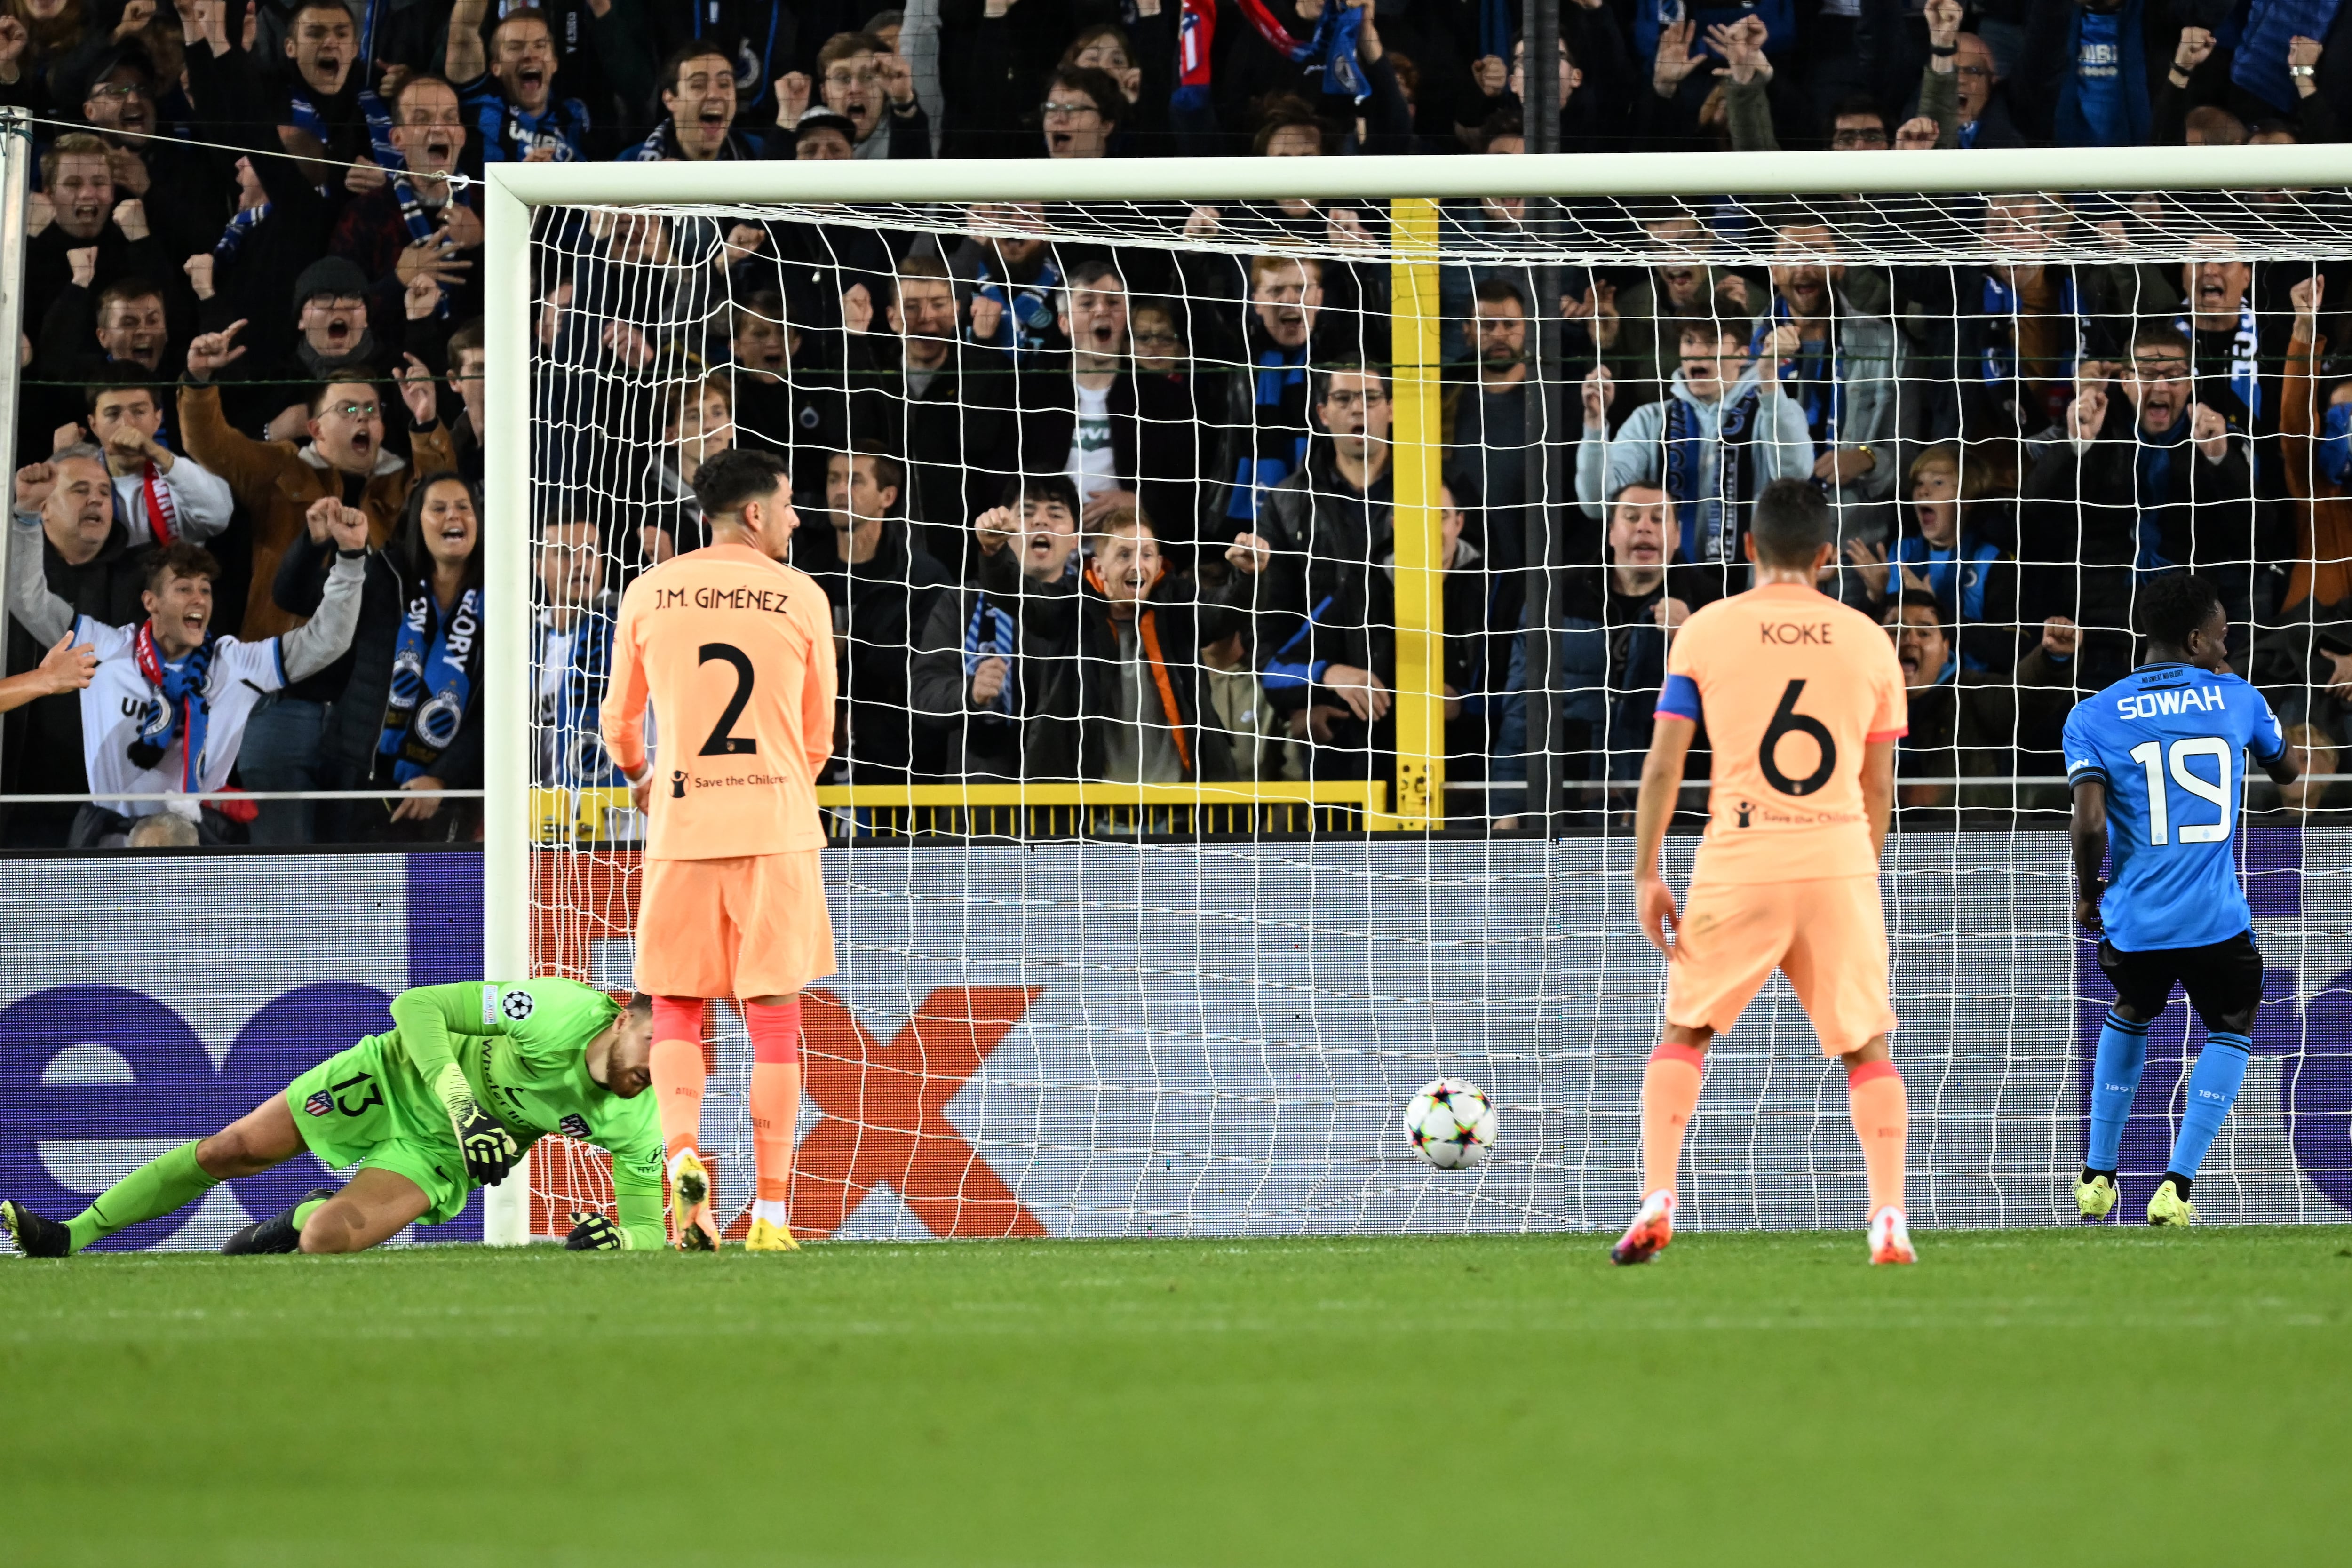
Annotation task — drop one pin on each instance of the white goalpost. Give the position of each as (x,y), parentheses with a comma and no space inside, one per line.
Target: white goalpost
(1091,1000)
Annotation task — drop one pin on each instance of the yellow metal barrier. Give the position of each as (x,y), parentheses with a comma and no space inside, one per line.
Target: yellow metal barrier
(1418,452)
(1023,810)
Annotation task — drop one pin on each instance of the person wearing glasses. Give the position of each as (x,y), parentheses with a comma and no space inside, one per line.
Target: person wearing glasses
(864,81)
(2147,480)
(1984,116)
(120,90)
(277,483)
(1080,114)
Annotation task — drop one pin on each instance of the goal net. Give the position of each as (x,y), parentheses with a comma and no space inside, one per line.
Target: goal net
(1249,612)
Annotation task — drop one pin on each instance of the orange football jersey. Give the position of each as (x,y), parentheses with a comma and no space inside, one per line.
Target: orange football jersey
(735,652)
(1792,685)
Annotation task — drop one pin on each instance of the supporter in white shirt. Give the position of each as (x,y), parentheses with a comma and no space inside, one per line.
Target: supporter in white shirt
(1094,315)
(161,496)
(167,707)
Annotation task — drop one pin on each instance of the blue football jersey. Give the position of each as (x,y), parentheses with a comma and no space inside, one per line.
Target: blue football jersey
(2169,740)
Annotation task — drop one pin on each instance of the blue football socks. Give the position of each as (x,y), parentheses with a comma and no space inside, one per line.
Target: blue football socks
(2123,1052)
(2212,1090)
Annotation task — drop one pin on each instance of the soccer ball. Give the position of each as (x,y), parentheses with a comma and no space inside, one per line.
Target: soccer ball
(1451,1124)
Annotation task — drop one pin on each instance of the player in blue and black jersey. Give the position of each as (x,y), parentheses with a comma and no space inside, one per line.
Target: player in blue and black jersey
(2159,756)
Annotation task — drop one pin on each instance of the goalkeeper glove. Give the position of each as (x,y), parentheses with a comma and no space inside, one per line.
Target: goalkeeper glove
(592,1232)
(488,1150)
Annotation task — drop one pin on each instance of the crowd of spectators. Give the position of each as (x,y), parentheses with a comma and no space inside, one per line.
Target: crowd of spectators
(1103,510)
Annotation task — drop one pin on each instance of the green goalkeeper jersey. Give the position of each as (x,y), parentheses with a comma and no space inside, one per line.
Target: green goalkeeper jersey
(523,1046)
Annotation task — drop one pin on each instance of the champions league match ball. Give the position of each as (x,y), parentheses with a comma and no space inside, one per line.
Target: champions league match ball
(1451,1124)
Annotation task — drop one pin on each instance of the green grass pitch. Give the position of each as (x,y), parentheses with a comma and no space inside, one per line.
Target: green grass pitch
(2078,1398)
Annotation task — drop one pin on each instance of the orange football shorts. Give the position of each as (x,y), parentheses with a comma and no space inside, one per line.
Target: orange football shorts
(753,925)
(1828,935)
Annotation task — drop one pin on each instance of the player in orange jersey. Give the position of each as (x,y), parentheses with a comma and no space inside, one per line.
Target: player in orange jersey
(735,650)
(1804,702)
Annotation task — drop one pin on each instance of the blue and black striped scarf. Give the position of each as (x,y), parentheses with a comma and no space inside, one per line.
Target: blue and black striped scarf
(1278,430)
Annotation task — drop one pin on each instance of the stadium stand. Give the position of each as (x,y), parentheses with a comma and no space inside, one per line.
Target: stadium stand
(252,223)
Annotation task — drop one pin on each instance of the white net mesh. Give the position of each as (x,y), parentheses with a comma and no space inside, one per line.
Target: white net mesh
(1193,809)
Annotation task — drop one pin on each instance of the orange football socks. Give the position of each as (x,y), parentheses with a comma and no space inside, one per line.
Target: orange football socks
(1670,1086)
(775,1102)
(679,1071)
(1881,1119)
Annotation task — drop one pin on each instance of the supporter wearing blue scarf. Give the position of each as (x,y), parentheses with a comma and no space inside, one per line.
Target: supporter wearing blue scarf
(232,237)
(432,682)
(1815,377)
(1709,525)
(185,708)
(1027,322)
(1278,425)
(575,756)
(2244,355)
(992,632)
(437,653)
(2153,462)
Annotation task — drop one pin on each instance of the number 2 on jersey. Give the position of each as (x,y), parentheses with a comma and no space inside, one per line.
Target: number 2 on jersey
(2150,755)
(724,741)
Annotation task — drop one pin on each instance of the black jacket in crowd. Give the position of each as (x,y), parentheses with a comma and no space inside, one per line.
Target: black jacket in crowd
(2092,523)
(958,437)
(879,608)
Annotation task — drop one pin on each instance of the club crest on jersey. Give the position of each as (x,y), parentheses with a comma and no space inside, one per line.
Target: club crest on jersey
(514,1006)
(573,1126)
(319,1103)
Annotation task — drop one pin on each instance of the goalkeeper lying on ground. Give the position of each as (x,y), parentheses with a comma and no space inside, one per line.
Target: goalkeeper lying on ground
(469,1077)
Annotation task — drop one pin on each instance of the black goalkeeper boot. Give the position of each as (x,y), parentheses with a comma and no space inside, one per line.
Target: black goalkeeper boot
(278,1233)
(35,1236)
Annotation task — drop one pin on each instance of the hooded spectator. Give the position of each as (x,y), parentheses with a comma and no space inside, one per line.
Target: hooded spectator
(1723,433)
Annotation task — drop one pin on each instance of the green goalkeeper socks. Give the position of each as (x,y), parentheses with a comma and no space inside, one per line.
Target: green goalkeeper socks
(163,1184)
(303,1211)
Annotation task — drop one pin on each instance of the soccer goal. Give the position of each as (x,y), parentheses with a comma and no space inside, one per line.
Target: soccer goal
(1193,811)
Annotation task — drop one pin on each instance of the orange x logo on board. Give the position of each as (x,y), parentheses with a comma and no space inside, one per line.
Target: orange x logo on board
(886,1114)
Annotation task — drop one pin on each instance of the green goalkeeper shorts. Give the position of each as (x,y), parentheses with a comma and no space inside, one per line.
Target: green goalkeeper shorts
(367,1107)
